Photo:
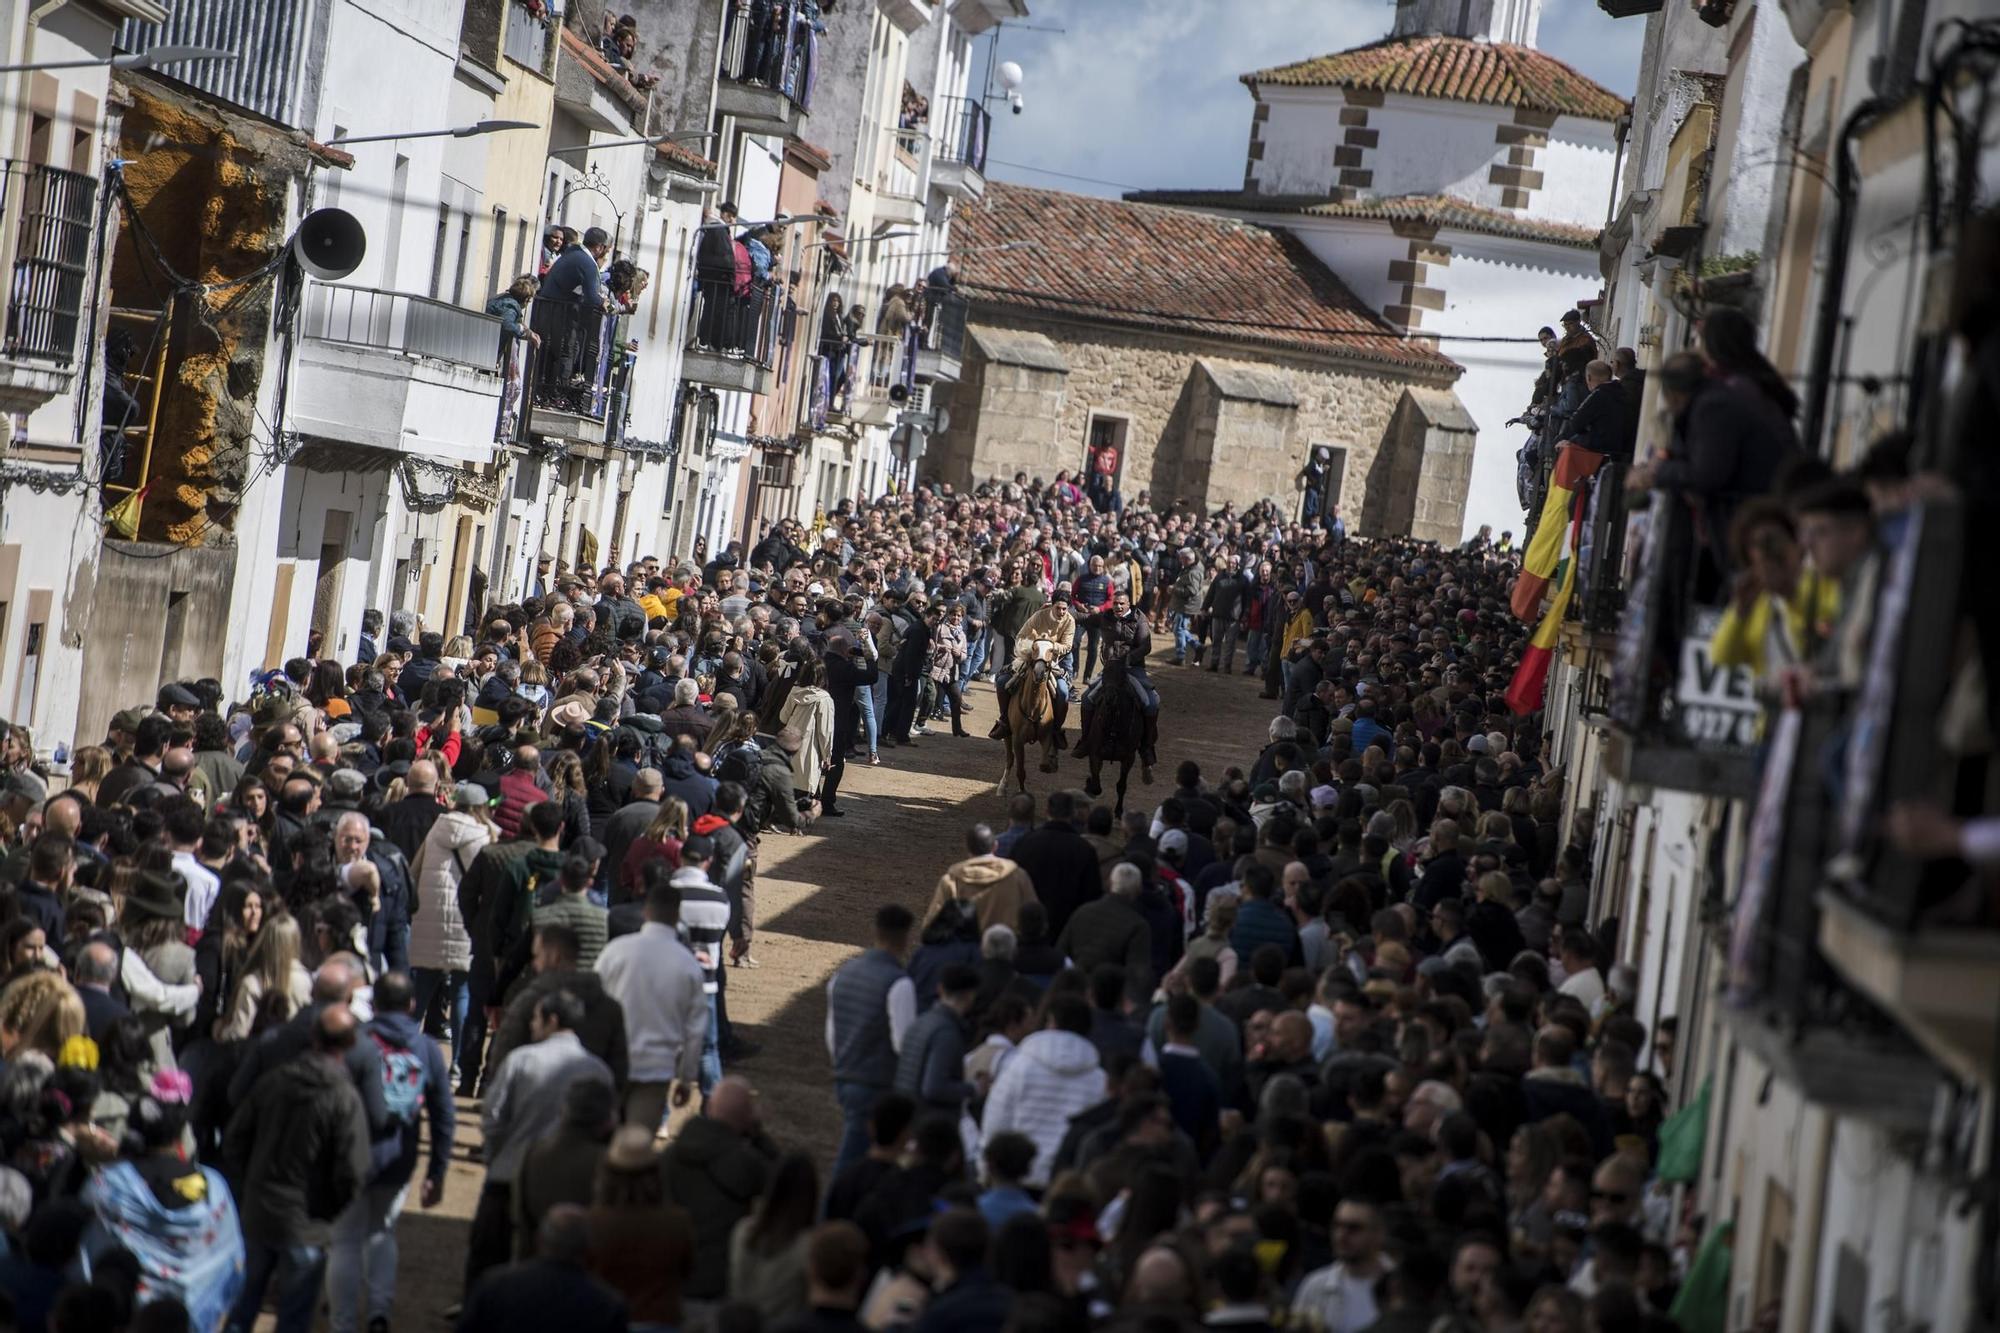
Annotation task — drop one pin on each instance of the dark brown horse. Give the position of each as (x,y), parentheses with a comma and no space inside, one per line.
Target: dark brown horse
(1114,731)
(1035,712)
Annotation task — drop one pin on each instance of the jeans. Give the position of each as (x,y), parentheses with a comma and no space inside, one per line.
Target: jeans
(430,984)
(361,1265)
(297,1269)
(878,704)
(864,700)
(976,645)
(856,1100)
(1183,636)
(711,1053)
(1256,644)
(1222,645)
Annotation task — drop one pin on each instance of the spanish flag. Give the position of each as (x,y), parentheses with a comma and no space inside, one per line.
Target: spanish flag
(1552,558)
(1575,465)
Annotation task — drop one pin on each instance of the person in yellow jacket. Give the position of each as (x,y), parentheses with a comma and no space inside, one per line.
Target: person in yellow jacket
(1780,611)
(1297,624)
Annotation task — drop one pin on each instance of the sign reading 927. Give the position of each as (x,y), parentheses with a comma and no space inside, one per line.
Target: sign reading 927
(1717,706)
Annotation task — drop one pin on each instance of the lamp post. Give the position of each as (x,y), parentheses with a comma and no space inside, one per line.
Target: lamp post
(153,59)
(476,128)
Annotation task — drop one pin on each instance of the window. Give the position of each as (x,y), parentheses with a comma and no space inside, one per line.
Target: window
(774,468)
(464,255)
(437,250)
(499,255)
(521,263)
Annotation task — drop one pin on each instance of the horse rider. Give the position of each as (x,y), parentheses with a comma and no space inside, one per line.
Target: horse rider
(1129,634)
(1046,636)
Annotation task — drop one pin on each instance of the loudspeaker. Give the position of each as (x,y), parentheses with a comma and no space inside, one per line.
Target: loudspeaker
(329,243)
(899,393)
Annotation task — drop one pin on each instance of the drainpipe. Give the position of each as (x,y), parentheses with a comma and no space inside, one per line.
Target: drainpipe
(1819,377)
(1623,129)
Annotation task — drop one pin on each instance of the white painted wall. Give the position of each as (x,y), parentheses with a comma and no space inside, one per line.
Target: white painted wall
(1431,145)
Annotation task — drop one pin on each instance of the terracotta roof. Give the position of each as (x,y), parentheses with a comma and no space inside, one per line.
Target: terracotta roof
(685,157)
(593,61)
(1111,262)
(1437,209)
(1459,68)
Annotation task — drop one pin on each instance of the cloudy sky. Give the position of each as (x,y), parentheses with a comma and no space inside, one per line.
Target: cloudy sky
(1145,93)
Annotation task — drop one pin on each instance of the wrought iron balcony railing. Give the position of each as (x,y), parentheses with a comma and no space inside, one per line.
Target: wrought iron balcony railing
(49,210)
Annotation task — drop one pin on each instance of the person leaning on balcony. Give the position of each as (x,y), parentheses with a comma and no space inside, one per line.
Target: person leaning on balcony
(1736,432)
(1605,423)
(896,312)
(569,303)
(510,306)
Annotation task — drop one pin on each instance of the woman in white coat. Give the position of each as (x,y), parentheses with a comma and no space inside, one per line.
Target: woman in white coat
(440,943)
(809,708)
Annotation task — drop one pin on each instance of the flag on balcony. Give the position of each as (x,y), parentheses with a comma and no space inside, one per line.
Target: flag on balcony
(1531,677)
(1563,528)
(1554,539)
(123,517)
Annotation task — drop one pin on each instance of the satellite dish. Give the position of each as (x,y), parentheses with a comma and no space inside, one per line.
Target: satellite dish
(330,243)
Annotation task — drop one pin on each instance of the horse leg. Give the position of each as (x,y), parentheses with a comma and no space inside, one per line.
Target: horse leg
(1049,748)
(1124,776)
(1091,786)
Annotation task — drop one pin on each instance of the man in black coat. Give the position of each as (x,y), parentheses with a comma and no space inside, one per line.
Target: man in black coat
(911,657)
(848,671)
(551,1290)
(1059,863)
(571,298)
(1606,422)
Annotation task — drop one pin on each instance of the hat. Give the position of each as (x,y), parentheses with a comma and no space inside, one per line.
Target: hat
(631,1150)
(157,894)
(469,796)
(1476,745)
(1174,840)
(389,772)
(346,783)
(178,696)
(127,719)
(570,713)
(26,784)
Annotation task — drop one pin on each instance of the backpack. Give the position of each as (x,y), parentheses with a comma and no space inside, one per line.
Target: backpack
(404,1079)
(738,762)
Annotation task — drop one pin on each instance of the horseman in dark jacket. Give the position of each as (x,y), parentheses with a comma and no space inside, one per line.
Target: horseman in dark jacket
(1127,635)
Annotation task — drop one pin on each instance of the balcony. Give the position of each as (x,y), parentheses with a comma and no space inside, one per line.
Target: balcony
(578,379)
(882,380)
(733,338)
(1678,721)
(1916,936)
(767,76)
(899,186)
(45,216)
(940,346)
(400,373)
(1787,1001)
(963,127)
(270,40)
(526,41)
(588,88)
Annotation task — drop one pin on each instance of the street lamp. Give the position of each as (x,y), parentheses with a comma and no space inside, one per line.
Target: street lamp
(477,127)
(655,140)
(153,59)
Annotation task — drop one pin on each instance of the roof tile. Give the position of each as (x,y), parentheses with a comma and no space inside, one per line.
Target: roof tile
(1458,68)
(1114,262)
(1437,209)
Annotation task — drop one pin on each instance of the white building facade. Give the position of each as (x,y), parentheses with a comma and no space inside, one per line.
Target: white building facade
(1455,177)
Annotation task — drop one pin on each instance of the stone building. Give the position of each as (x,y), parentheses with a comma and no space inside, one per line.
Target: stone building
(1214,354)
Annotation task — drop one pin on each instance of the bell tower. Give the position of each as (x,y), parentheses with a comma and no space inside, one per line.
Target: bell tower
(1483,20)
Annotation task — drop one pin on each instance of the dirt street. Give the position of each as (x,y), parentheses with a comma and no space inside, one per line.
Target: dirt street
(816,896)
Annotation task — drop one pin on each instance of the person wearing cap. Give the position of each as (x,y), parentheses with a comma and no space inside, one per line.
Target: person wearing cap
(179,703)
(1046,635)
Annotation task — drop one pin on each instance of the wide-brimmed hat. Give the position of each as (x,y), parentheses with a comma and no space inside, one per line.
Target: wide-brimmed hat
(157,894)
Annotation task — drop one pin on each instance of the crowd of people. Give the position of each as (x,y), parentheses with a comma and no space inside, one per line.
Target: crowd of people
(1324,1039)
